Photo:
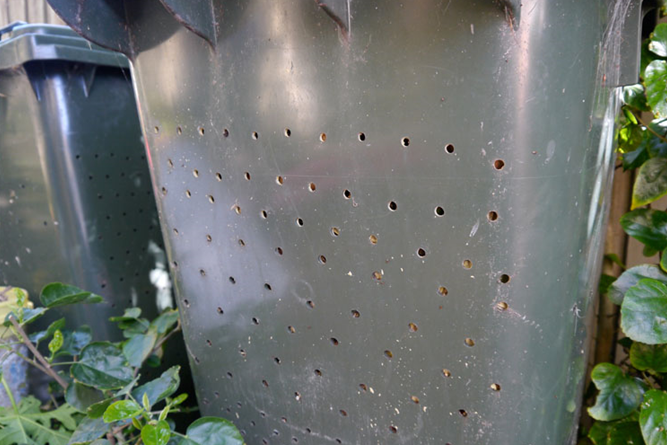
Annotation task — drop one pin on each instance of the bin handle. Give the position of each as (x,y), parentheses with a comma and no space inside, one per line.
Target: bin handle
(9,28)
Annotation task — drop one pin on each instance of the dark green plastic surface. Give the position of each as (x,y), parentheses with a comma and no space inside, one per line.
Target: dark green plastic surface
(385,218)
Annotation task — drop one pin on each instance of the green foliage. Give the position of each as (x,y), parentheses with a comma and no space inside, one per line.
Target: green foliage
(619,394)
(644,312)
(100,398)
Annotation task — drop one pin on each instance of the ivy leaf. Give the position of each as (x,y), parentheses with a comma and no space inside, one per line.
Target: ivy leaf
(139,347)
(647,226)
(635,97)
(651,182)
(652,417)
(625,431)
(630,278)
(88,430)
(81,397)
(59,294)
(165,321)
(655,78)
(658,42)
(121,410)
(160,388)
(75,341)
(96,410)
(25,423)
(43,335)
(56,343)
(644,312)
(645,357)
(103,366)
(212,431)
(131,313)
(157,434)
(635,158)
(619,394)
(29,315)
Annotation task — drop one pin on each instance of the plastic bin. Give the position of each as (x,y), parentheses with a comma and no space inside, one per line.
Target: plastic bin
(384,219)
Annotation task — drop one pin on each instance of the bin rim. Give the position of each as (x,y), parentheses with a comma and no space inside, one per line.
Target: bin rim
(22,43)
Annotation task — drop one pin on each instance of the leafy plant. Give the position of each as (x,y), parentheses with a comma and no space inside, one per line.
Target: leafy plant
(631,405)
(103,400)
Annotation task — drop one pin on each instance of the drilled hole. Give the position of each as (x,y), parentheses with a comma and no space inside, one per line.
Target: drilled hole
(279,250)
(208,238)
(388,354)
(225,132)
(170,162)
(255,320)
(377,275)
(188,194)
(299,222)
(446,373)
(265,383)
(232,280)
(502,306)
(236,209)
(195,173)
(323,137)
(463,412)
(334,341)
(495,387)
(186,303)
(470,342)
(442,290)
(449,148)
(288,132)
(355,313)
(492,215)
(393,429)
(201,131)
(179,130)
(362,137)
(421,253)
(392,206)
(267,286)
(439,211)
(498,164)
(277,360)
(347,194)
(220,311)
(405,142)
(363,386)
(291,329)
(310,304)
(343,413)
(312,187)
(373,239)
(246,175)
(504,278)
(335,231)
(414,399)
(255,135)
(412,327)
(156,129)
(241,243)
(175,231)
(467,264)
(322,259)
(164,191)
(280,180)
(202,272)
(297,396)
(211,199)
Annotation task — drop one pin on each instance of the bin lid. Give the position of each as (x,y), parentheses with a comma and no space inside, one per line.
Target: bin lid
(21,43)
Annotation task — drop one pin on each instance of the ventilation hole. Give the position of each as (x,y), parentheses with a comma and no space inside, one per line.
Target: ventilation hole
(202,272)
(170,162)
(392,206)
(318,373)
(373,239)
(335,231)
(439,211)
(310,304)
(467,264)
(297,396)
(211,199)
(470,342)
(220,311)
(412,327)
(504,278)
(279,250)
(502,306)
(283,419)
(175,231)
(442,290)
(277,360)
(312,186)
(498,164)
(267,286)
(288,132)
(179,130)
(186,303)
(195,173)
(347,194)
(255,320)
(255,135)
(232,280)
(377,275)
(265,383)
(156,129)
(188,194)
(201,131)
(291,329)
(323,137)
(263,214)
(362,137)
(164,191)
(363,387)
(492,215)
(463,412)
(421,252)
(449,148)
(495,386)
(414,399)
(208,238)
(237,209)
(388,354)
(343,412)
(355,313)
(241,243)
(246,175)
(299,222)
(280,180)
(322,259)
(231,376)
(208,342)
(405,142)
(225,133)
(295,440)
(393,429)
(339,441)
(446,373)
(334,341)
(218,176)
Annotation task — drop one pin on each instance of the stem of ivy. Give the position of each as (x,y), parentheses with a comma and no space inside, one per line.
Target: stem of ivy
(40,358)
(659,136)
(9,393)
